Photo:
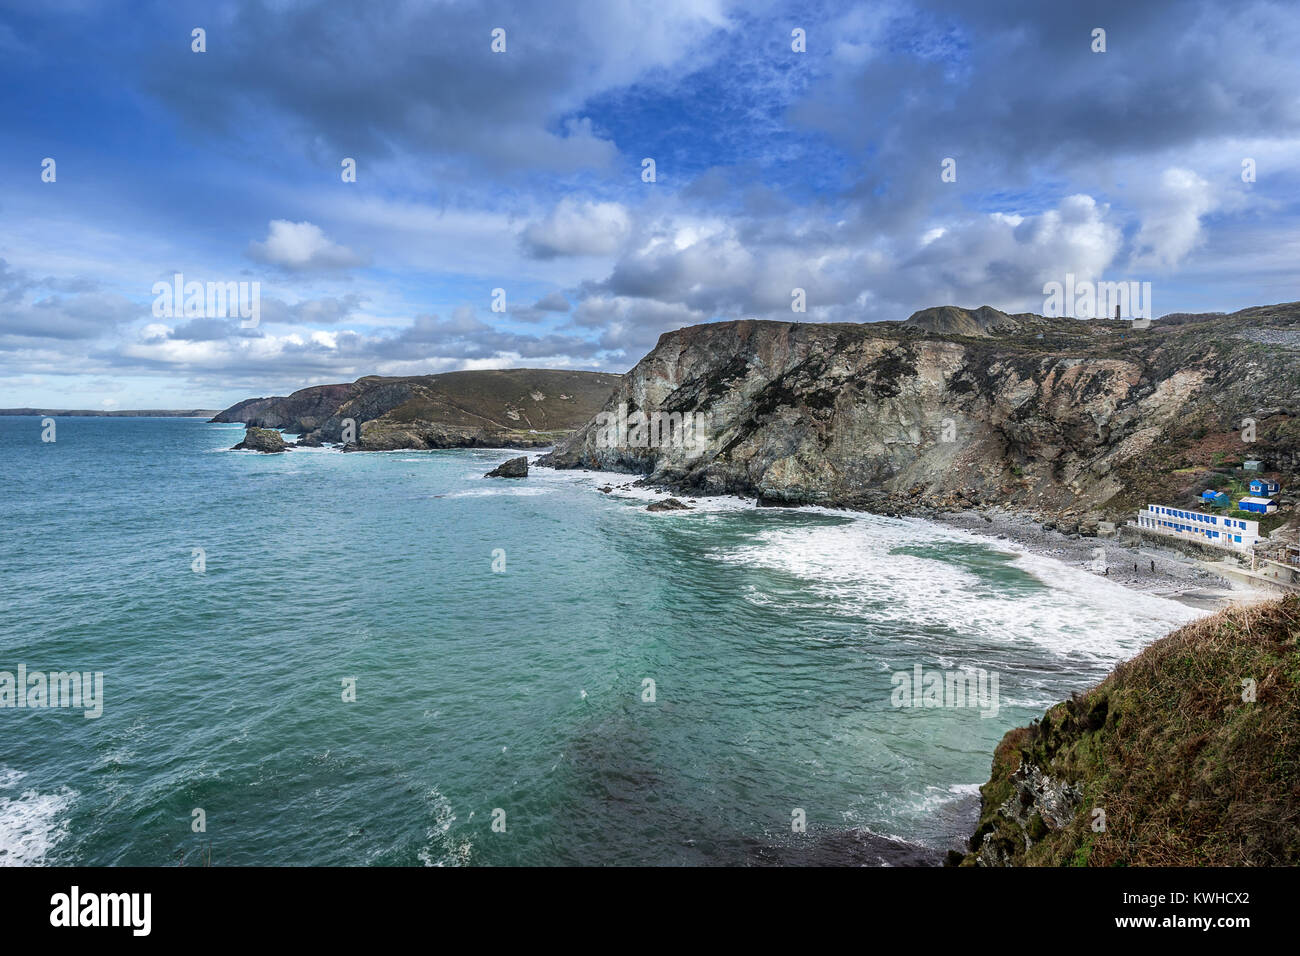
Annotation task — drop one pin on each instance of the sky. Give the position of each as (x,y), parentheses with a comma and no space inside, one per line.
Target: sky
(880,157)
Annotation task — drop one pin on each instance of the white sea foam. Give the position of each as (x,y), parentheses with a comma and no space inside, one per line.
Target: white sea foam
(443,849)
(854,567)
(520,492)
(31,823)
(614,480)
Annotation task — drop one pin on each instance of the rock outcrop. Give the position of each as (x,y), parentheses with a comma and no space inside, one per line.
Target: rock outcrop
(514,468)
(955,408)
(668,504)
(506,408)
(266,440)
(1187,755)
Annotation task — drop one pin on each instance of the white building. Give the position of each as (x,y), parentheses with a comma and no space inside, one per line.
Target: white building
(1214,530)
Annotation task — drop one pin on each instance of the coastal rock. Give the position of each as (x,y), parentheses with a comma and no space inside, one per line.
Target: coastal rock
(668,504)
(953,408)
(514,468)
(266,440)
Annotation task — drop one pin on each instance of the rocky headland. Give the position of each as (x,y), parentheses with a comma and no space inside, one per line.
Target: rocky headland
(1070,421)
(507,408)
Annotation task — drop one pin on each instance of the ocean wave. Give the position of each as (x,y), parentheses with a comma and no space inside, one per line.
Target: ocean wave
(442,848)
(31,823)
(524,492)
(869,567)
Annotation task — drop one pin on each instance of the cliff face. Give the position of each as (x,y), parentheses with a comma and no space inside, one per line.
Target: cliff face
(955,405)
(1187,755)
(490,408)
(301,413)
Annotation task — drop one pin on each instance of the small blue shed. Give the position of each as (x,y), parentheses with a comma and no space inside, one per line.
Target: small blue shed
(1263,487)
(1215,498)
(1262,506)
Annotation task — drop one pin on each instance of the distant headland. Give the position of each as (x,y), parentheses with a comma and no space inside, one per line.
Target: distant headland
(104,413)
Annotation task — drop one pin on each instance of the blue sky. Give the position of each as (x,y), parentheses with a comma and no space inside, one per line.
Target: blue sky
(521,170)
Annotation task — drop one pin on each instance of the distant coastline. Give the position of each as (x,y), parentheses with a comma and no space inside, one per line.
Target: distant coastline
(102,413)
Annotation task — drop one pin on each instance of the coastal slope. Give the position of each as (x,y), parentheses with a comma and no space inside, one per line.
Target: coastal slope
(518,408)
(954,407)
(1187,755)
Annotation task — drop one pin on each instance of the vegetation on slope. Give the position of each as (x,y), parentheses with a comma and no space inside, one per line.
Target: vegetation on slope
(1186,768)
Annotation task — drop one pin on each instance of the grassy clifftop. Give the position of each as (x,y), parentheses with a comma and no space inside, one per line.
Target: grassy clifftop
(1169,752)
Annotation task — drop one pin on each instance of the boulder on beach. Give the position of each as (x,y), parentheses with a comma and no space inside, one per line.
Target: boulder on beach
(668,504)
(266,440)
(514,468)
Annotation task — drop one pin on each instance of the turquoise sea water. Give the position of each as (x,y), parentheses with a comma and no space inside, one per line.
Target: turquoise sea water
(771,636)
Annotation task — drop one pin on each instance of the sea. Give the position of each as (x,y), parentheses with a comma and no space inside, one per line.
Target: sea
(387,659)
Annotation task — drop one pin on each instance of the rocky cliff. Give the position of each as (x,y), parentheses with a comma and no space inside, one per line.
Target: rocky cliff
(492,408)
(955,407)
(1187,755)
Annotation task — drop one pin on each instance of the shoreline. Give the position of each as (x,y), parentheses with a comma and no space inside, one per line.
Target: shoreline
(1161,572)
(1134,564)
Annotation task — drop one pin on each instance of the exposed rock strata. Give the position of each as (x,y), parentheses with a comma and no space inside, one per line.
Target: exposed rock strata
(955,408)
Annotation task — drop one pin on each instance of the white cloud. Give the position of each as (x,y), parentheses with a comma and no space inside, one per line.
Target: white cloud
(575,228)
(1171,219)
(298,246)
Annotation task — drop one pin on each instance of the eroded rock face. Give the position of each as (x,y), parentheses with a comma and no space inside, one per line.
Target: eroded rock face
(1037,801)
(948,408)
(514,468)
(300,413)
(266,440)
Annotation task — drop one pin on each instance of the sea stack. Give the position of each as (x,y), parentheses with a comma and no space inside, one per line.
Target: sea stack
(514,468)
(266,440)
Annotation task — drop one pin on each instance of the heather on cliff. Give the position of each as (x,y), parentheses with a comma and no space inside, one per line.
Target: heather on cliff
(1187,755)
